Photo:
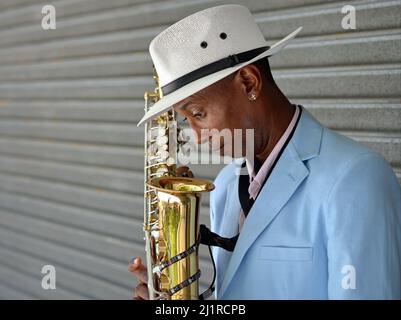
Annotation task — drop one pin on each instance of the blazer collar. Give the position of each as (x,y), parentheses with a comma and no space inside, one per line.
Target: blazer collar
(307,136)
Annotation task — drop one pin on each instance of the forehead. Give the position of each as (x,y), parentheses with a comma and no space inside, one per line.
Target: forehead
(196,97)
(183,104)
(202,95)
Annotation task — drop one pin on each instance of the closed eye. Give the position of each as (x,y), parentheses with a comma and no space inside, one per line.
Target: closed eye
(197,115)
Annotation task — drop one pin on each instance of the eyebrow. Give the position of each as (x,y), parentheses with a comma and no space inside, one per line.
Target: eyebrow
(184,106)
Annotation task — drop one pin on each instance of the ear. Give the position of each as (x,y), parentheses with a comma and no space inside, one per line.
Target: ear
(250,79)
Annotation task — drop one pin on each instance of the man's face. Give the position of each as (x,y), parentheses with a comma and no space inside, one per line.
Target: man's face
(222,105)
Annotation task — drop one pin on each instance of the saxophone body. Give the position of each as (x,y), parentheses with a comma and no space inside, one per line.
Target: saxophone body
(171,211)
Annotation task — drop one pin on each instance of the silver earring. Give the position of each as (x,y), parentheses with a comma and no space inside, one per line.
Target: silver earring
(252,96)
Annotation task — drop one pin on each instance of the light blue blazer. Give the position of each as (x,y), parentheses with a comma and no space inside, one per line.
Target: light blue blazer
(326,225)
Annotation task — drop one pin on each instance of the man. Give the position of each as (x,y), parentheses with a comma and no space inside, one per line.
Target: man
(318,216)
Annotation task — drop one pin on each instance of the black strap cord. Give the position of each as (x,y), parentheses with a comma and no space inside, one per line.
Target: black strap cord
(206,294)
(210,238)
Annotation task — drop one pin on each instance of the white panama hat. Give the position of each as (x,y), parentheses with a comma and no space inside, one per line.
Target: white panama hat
(204,48)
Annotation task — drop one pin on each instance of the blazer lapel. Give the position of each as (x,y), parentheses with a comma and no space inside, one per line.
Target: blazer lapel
(284,180)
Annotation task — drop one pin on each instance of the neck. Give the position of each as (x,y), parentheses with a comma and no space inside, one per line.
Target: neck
(274,117)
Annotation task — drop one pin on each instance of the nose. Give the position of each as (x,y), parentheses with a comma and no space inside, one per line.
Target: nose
(199,134)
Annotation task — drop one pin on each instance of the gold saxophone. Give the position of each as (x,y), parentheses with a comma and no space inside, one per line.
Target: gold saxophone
(171,211)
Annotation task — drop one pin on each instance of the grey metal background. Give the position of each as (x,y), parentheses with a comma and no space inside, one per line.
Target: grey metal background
(71,155)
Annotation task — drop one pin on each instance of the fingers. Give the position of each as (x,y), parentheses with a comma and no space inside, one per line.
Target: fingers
(141,292)
(136,267)
(184,172)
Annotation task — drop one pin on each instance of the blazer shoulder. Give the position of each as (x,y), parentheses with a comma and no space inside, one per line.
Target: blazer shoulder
(226,175)
(340,156)
(338,151)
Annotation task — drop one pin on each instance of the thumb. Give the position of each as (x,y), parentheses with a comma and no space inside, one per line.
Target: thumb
(135,266)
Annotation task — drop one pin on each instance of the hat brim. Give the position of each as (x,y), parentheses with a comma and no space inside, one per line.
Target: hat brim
(169,100)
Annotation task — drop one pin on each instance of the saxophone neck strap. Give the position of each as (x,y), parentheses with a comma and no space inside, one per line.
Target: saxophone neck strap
(210,238)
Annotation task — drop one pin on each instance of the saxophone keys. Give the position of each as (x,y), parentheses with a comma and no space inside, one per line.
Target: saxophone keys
(162,154)
(161,140)
(170,161)
(164,282)
(161,132)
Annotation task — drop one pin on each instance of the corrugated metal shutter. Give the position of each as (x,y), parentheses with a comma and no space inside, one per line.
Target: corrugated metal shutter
(71,155)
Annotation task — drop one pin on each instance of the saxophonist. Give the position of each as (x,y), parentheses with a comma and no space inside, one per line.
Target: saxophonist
(317,215)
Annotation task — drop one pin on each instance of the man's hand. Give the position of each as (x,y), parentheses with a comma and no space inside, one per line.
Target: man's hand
(139,270)
(184,172)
